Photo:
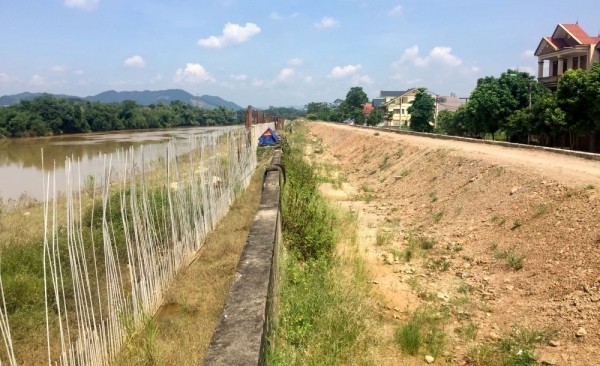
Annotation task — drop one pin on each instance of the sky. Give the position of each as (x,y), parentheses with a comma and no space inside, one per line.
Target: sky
(273,53)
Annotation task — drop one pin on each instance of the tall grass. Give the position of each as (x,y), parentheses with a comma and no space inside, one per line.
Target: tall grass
(323,317)
(109,249)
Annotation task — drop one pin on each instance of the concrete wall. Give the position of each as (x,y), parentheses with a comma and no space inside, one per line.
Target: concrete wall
(240,336)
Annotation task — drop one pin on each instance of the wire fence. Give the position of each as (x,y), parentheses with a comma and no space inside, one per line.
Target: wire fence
(113,244)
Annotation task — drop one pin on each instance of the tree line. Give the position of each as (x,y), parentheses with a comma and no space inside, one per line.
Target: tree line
(523,110)
(48,115)
(340,110)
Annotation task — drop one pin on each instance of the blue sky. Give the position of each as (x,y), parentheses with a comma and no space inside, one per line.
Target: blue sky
(261,53)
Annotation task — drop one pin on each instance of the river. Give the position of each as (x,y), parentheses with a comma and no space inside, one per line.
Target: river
(22,166)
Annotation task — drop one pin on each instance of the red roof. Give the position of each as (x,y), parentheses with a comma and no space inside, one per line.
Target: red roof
(579,34)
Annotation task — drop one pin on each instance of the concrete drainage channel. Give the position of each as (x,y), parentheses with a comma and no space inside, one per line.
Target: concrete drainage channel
(241,335)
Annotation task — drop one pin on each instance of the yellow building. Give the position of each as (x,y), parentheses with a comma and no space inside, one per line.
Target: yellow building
(395,105)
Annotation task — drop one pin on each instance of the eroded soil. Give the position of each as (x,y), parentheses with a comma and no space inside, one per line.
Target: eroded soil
(515,233)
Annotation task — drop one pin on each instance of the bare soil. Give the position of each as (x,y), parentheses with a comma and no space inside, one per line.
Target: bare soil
(485,207)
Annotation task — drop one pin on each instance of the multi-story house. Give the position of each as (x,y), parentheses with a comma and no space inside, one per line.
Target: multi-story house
(395,104)
(569,47)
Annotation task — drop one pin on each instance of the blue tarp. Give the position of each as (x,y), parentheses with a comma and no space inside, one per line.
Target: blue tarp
(269,137)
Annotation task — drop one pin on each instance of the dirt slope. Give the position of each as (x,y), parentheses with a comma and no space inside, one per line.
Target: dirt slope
(490,210)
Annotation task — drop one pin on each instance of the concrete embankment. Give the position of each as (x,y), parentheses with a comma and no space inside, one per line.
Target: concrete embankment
(240,337)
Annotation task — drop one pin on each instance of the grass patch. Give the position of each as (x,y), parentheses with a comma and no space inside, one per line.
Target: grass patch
(424,332)
(422,242)
(511,256)
(540,210)
(382,237)
(437,216)
(433,196)
(497,219)
(438,264)
(516,224)
(514,349)
(385,163)
(467,331)
(404,173)
(464,289)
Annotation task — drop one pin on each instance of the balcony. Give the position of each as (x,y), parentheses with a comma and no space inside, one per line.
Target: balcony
(550,82)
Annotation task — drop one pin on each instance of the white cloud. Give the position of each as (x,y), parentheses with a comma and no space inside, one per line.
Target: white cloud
(239,77)
(396,11)
(58,68)
(327,22)
(6,79)
(362,79)
(295,61)
(276,16)
(308,79)
(285,74)
(82,4)
(528,54)
(232,34)
(257,82)
(344,71)
(437,55)
(156,79)
(37,80)
(78,72)
(135,61)
(193,74)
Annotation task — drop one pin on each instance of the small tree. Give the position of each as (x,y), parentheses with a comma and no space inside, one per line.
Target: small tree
(422,111)
(375,117)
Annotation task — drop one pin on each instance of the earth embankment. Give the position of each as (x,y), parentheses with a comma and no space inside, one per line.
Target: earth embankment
(516,235)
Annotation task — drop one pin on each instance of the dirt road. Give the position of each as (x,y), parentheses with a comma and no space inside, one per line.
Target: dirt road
(563,168)
(502,239)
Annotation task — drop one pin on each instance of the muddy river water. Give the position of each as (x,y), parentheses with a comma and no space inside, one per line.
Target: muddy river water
(22,166)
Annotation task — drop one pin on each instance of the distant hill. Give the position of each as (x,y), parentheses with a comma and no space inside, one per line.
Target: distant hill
(16,98)
(145,97)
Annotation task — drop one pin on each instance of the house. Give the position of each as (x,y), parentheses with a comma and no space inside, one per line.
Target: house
(569,47)
(447,102)
(395,105)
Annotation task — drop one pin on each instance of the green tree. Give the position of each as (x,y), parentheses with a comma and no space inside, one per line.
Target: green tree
(574,98)
(548,120)
(593,93)
(318,111)
(356,98)
(490,105)
(422,111)
(352,106)
(445,121)
(375,117)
